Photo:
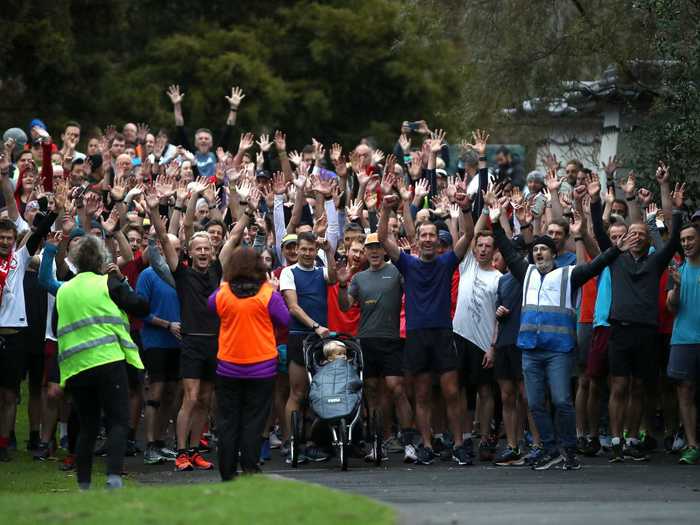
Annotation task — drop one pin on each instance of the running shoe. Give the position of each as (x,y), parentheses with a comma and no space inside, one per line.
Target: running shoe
(605,442)
(198,461)
(316,454)
(581,443)
(183,463)
(152,456)
(393,445)
(618,455)
(468,446)
(102,449)
(371,456)
(204,445)
(592,447)
(548,460)
(438,444)
(410,455)
(265,451)
(42,452)
(485,452)
(132,449)
(691,456)
(275,441)
(424,455)
(635,452)
(284,449)
(527,436)
(649,443)
(570,461)
(678,442)
(668,443)
(532,457)
(508,456)
(168,453)
(68,463)
(461,457)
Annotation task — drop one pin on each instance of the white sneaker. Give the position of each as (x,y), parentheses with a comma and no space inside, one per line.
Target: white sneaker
(409,454)
(275,441)
(678,443)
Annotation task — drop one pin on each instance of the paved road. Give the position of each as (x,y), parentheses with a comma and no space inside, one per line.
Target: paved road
(657,492)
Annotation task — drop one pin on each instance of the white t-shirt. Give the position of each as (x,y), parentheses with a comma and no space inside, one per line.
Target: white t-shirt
(287,276)
(12,310)
(475,315)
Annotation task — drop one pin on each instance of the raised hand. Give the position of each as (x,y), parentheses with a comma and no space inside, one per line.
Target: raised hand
(644,196)
(678,195)
(454,211)
(663,174)
(550,160)
(320,186)
(279,185)
(576,227)
(151,198)
(354,209)
(142,130)
(437,140)
(295,158)
(490,198)
(246,142)
(174,94)
(422,188)
(480,138)
(580,192)
(404,191)
(389,201)
(110,131)
(404,245)
(553,182)
(377,156)
(593,186)
(54,238)
(235,99)
(112,222)
(388,181)
(280,141)
(336,151)
(628,240)
(319,150)
(405,143)
(244,190)
(344,275)
(630,184)
(165,186)
(199,186)
(320,227)
(523,213)
(264,142)
(611,167)
(93,204)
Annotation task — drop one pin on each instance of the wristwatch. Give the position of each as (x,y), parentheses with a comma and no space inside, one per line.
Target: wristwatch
(315,326)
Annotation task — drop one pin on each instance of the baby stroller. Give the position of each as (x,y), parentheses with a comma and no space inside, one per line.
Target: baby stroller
(335,396)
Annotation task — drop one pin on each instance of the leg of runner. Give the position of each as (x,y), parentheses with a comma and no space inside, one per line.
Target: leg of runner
(229,399)
(298,387)
(423,384)
(257,401)
(616,407)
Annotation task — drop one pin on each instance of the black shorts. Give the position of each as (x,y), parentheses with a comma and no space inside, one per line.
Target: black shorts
(295,349)
(632,351)
(663,352)
(584,337)
(470,358)
(162,364)
(382,357)
(430,349)
(198,357)
(508,363)
(33,368)
(11,361)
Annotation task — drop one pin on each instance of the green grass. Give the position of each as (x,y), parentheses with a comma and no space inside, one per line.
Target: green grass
(34,492)
(256,499)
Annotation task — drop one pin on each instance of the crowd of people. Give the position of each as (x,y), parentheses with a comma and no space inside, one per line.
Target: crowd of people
(503,317)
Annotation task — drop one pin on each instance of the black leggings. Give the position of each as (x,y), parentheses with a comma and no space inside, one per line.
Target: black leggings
(243,407)
(103,388)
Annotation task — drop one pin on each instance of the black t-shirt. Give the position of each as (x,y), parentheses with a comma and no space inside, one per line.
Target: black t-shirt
(193,290)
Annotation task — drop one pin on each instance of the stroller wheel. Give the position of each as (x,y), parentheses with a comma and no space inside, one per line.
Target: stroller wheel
(343,448)
(294,439)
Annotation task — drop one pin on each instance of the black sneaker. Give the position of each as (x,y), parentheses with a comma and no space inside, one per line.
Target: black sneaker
(570,461)
(461,457)
(508,456)
(485,452)
(592,447)
(102,449)
(635,452)
(617,455)
(649,443)
(549,460)
(581,444)
(132,449)
(425,455)
(316,454)
(468,446)
(42,452)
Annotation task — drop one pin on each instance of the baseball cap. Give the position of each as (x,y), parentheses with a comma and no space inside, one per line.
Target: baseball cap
(263,173)
(19,135)
(290,238)
(372,238)
(445,238)
(696,216)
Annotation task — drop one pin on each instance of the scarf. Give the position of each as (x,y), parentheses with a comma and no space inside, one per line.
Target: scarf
(5,266)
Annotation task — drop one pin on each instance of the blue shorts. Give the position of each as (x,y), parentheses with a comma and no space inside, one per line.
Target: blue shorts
(684,363)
